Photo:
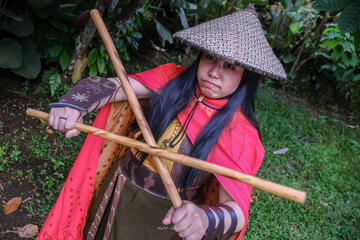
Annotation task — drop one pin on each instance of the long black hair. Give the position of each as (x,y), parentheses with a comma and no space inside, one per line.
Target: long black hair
(179,92)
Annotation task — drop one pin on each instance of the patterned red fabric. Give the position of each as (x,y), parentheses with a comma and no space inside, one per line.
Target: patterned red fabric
(238,147)
(66,219)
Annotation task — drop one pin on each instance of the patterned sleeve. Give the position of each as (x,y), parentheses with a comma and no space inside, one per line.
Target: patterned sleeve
(159,76)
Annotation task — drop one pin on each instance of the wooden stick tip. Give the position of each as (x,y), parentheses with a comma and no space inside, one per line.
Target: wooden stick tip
(303,198)
(29,111)
(94,11)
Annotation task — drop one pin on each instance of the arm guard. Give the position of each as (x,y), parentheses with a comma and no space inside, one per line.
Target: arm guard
(216,232)
(86,93)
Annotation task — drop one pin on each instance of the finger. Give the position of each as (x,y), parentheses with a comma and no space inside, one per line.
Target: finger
(51,118)
(72,133)
(168,216)
(73,116)
(178,215)
(69,124)
(55,123)
(192,231)
(61,124)
(195,236)
(184,224)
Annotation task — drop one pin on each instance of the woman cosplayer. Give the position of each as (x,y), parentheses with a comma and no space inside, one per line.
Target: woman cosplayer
(206,111)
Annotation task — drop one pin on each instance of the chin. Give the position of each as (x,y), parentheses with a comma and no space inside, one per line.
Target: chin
(209,95)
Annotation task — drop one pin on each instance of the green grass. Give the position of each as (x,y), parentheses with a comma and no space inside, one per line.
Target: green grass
(57,157)
(323,160)
(44,161)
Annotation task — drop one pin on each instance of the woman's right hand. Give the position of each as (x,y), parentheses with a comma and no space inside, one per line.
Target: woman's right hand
(64,119)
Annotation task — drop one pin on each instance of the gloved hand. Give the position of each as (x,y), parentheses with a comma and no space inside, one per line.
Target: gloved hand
(64,119)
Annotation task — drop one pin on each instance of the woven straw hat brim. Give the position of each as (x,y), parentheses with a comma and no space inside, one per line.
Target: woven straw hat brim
(237,38)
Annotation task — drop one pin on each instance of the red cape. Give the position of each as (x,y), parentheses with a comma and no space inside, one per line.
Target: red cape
(66,219)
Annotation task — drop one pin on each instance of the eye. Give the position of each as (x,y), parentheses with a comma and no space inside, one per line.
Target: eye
(210,57)
(229,66)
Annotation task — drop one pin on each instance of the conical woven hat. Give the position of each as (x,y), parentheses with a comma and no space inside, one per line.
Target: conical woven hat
(238,38)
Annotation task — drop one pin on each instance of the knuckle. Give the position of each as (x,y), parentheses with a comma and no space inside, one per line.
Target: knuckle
(191,237)
(182,234)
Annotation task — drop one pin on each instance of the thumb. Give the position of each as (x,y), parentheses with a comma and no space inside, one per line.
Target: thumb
(72,133)
(168,216)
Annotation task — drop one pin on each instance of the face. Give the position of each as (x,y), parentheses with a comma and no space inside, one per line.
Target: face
(218,78)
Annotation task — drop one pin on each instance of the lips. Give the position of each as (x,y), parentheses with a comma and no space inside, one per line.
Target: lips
(209,84)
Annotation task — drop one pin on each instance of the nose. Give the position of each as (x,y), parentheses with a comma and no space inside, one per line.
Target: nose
(215,70)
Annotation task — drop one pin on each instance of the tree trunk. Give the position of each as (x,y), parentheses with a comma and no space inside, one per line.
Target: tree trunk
(79,61)
(72,73)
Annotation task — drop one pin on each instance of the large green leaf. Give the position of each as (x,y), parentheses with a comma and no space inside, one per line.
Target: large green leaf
(53,78)
(93,70)
(136,35)
(163,32)
(31,65)
(64,60)
(59,26)
(349,20)
(122,50)
(356,77)
(45,8)
(183,18)
(330,44)
(204,3)
(10,53)
(55,51)
(189,5)
(258,2)
(22,28)
(103,50)
(357,40)
(354,60)
(295,26)
(92,56)
(10,14)
(331,5)
(40,4)
(101,65)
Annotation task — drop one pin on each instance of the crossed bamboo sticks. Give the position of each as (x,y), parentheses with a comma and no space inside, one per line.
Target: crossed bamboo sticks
(150,145)
(267,186)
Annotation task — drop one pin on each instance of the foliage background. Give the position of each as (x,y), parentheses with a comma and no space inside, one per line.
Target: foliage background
(322,62)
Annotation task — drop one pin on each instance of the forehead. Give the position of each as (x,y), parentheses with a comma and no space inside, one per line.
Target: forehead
(221,60)
(218,58)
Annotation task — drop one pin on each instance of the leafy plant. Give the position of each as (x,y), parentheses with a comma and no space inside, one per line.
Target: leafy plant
(98,60)
(18,52)
(349,20)
(15,153)
(320,61)
(343,59)
(51,82)
(58,41)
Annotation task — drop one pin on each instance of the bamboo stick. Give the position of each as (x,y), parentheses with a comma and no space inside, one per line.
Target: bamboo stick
(135,106)
(264,185)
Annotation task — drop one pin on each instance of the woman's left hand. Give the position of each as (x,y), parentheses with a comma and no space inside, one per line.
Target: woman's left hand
(190,221)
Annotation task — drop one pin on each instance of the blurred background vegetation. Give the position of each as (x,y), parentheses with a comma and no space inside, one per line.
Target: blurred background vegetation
(53,44)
